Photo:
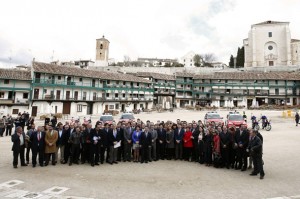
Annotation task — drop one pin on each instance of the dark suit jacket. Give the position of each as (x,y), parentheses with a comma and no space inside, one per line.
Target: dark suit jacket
(95,133)
(104,138)
(255,146)
(180,135)
(37,145)
(61,140)
(224,139)
(161,135)
(195,133)
(146,141)
(242,138)
(16,141)
(111,138)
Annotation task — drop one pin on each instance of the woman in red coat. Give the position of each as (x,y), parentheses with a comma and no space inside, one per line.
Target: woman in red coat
(187,144)
(216,149)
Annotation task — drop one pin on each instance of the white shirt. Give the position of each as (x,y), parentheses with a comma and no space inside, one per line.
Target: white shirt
(60,133)
(21,139)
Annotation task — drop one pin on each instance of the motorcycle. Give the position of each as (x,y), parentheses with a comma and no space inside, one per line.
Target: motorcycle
(255,125)
(268,126)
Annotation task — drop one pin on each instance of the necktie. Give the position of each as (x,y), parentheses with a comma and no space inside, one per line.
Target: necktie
(39,136)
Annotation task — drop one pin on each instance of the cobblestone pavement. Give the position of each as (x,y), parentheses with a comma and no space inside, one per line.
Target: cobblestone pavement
(163,179)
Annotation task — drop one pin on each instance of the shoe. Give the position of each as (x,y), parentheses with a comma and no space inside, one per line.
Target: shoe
(262,177)
(92,165)
(15,166)
(250,167)
(243,169)
(53,163)
(33,165)
(24,165)
(115,162)
(27,162)
(253,174)
(70,164)
(97,164)
(41,165)
(146,161)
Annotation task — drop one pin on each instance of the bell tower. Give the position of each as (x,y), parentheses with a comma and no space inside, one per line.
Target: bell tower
(102,52)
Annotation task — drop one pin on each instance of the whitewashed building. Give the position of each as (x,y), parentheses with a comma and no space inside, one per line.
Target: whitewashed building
(15,91)
(270,44)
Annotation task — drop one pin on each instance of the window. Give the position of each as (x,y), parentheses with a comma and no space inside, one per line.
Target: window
(117,106)
(1,94)
(116,94)
(270,47)
(59,77)
(6,81)
(108,82)
(271,63)
(79,108)
(117,82)
(123,94)
(107,94)
(241,81)
(270,34)
(25,95)
(226,81)
(276,81)
(101,46)
(15,111)
(45,90)
(137,84)
(80,79)
(124,83)
(111,106)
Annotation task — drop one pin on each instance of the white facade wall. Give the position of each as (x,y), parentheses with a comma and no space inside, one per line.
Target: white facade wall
(269,44)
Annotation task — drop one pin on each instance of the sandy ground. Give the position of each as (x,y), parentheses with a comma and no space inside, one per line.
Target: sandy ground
(171,179)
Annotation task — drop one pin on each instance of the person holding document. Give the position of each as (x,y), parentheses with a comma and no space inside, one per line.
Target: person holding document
(114,142)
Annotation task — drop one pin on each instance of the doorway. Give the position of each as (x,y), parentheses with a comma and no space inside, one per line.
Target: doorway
(66,107)
(36,93)
(34,111)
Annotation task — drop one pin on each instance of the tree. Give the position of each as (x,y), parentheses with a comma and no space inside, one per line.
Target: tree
(231,62)
(176,64)
(240,57)
(209,57)
(197,60)
(127,60)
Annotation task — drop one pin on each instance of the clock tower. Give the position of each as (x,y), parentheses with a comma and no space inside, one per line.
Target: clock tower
(102,50)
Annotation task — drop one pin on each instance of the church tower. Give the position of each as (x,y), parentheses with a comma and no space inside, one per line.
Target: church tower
(102,50)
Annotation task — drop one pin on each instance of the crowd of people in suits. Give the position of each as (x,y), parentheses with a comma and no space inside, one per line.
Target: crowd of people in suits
(210,144)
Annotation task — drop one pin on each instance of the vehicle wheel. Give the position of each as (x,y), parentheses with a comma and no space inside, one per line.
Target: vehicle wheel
(256,127)
(268,127)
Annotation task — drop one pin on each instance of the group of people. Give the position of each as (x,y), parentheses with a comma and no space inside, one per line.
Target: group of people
(73,143)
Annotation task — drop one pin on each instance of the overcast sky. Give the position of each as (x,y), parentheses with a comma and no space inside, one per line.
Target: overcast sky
(67,30)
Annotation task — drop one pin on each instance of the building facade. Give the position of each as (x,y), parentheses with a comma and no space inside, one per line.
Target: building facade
(269,44)
(76,91)
(15,91)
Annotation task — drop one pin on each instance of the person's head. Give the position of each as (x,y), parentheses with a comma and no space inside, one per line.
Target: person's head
(67,126)
(98,126)
(77,129)
(32,126)
(71,126)
(89,125)
(224,129)
(194,125)
(252,132)
(179,125)
(137,128)
(49,127)
(146,128)
(19,129)
(187,128)
(113,126)
(219,129)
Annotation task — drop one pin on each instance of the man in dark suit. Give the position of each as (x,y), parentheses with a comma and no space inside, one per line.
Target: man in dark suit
(145,142)
(60,143)
(37,139)
(18,148)
(114,137)
(255,149)
(242,141)
(127,131)
(195,135)
(225,144)
(67,134)
(85,141)
(95,144)
(178,135)
(161,142)
(104,143)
